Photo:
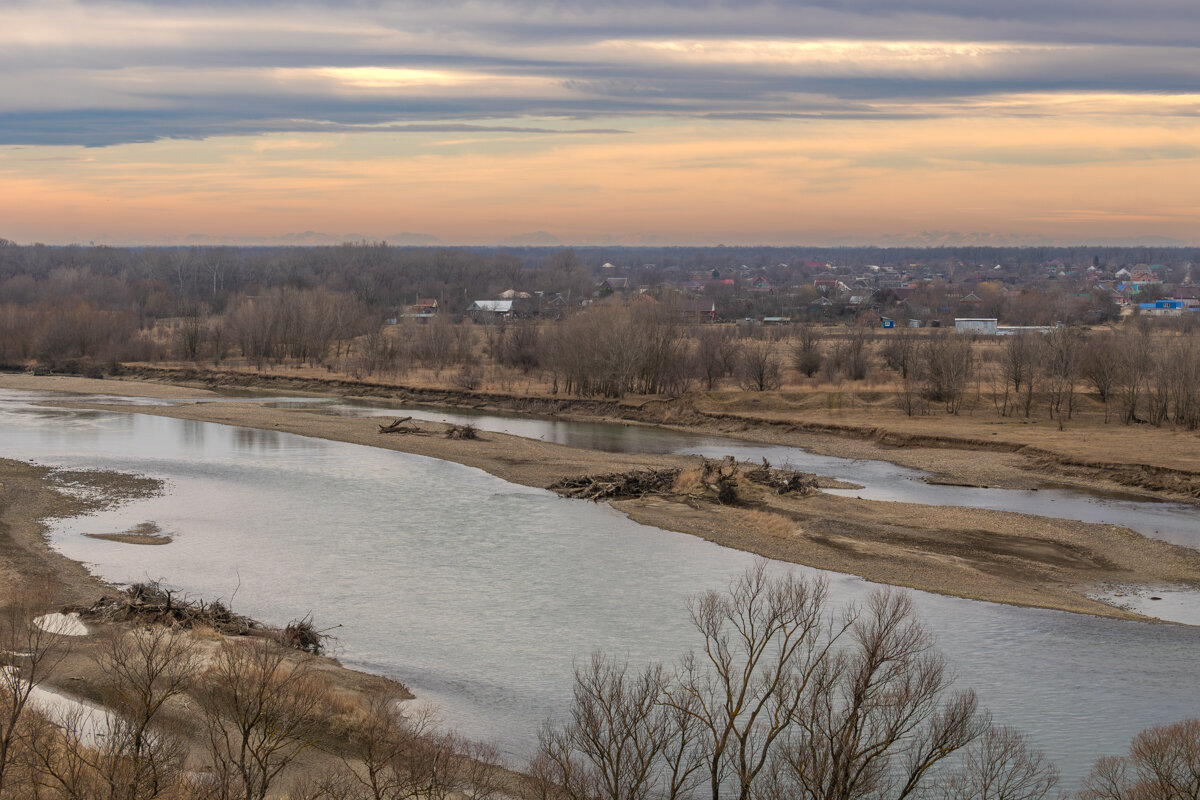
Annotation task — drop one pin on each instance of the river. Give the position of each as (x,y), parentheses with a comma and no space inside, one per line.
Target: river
(479,594)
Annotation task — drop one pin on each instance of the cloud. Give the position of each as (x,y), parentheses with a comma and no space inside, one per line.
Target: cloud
(96,73)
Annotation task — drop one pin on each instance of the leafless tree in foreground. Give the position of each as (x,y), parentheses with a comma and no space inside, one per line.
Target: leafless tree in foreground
(147,667)
(879,716)
(28,654)
(1000,765)
(262,707)
(128,752)
(785,699)
(400,753)
(1163,763)
(622,742)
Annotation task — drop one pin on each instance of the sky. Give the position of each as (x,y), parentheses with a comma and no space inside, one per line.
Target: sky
(818,122)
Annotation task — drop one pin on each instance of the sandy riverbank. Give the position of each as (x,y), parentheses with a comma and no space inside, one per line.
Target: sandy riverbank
(988,555)
(31,494)
(976,447)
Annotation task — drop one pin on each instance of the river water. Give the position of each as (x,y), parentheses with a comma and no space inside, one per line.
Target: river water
(1177,523)
(479,594)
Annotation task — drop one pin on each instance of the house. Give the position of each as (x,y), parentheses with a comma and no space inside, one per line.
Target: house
(693,308)
(611,285)
(489,310)
(424,308)
(971,300)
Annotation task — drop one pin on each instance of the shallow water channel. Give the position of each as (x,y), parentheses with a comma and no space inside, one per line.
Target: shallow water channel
(1177,523)
(478,593)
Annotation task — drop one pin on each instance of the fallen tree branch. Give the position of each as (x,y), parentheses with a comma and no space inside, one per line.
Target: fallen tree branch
(396,427)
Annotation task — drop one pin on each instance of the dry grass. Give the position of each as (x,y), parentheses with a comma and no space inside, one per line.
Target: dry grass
(689,482)
(769,523)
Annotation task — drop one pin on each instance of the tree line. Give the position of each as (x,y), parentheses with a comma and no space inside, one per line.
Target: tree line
(121,294)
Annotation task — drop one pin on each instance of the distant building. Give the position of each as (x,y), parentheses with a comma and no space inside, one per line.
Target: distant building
(487,310)
(1164,308)
(984,325)
(424,308)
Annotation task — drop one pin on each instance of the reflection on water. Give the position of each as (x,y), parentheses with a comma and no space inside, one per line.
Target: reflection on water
(192,435)
(255,439)
(479,593)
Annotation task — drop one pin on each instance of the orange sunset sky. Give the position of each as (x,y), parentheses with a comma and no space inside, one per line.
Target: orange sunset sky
(698,123)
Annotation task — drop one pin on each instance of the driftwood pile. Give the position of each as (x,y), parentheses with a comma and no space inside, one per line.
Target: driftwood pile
(150,604)
(717,480)
(302,634)
(467,431)
(783,481)
(618,485)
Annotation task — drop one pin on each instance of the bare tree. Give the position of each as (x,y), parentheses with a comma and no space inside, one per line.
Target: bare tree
(851,356)
(949,362)
(1100,366)
(262,708)
(764,641)
(783,700)
(877,721)
(806,352)
(716,354)
(1000,765)
(147,668)
(1163,763)
(1020,358)
(1184,375)
(759,369)
(400,753)
(1062,365)
(611,745)
(1133,354)
(901,351)
(29,653)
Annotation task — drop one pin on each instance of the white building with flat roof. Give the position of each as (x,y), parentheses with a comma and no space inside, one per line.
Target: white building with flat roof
(984,325)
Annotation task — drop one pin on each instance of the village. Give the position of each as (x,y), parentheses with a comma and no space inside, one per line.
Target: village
(873,296)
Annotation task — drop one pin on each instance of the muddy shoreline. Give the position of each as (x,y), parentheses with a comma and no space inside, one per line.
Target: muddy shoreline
(987,555)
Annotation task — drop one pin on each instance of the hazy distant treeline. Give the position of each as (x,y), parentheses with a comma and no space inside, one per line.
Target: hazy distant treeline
(156,282)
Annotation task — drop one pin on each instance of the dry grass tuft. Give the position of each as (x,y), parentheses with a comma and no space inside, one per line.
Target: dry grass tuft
(689,481)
